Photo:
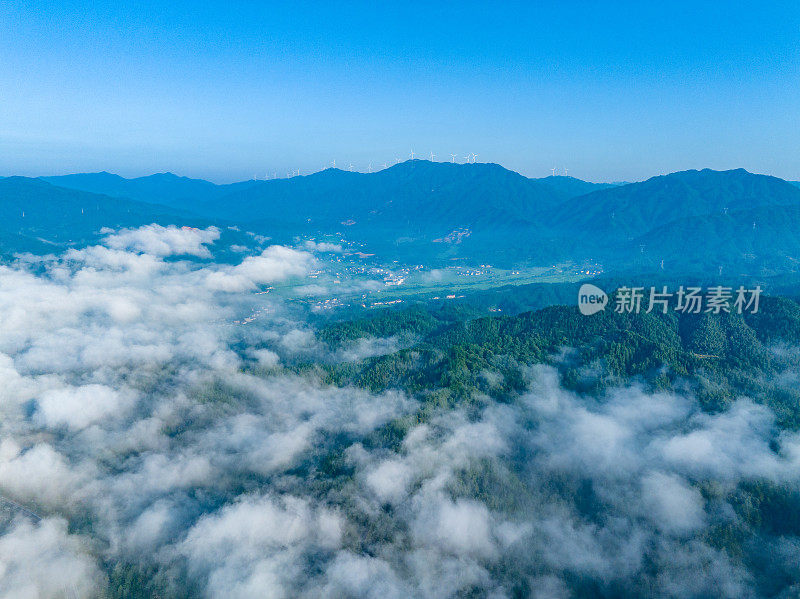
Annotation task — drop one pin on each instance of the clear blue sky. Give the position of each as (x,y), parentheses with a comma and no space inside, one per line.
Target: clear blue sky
(610,90)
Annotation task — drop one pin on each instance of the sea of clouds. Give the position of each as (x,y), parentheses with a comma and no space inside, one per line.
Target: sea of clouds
(142,423)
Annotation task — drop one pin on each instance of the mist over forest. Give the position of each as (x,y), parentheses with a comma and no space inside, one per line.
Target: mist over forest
(173,426)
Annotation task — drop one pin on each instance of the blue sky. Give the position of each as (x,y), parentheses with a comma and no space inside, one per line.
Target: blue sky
(609,90)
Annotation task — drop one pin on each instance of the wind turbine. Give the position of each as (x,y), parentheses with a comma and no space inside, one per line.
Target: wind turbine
(474,157)
(384,165)
(453,156)
(351,166)
(566,170)
(369,170)
(554,171)
(412,154)
(334,163)
(433,156)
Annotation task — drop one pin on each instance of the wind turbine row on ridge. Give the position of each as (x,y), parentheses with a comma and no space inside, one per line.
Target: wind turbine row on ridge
(470,158)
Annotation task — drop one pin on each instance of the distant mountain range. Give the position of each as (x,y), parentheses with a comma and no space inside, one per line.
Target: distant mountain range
(38,217)
(162,188)
(414,211)
(459,193)
(433,213)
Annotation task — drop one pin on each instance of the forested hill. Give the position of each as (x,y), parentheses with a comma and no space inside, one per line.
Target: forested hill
(690,221)
(622,378)
(716,357)
(631,210)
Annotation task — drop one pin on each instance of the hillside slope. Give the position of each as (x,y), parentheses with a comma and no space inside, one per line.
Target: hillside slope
(631,210)
(36,216)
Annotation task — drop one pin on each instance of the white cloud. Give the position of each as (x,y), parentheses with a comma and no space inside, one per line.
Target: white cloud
(390,480)
(164,241)
(43,560)
(323,247)
(463,527)
(365,577)
(39,474)
(266,358)
(248,544)
(671,503)
(276,263)
(78,407)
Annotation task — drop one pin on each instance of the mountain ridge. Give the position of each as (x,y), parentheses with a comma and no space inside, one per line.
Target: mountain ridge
(37,216)
(628,210)
(424,212)
(199,194)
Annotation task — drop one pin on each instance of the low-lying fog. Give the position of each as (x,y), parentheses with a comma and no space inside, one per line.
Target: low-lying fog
(146,429)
